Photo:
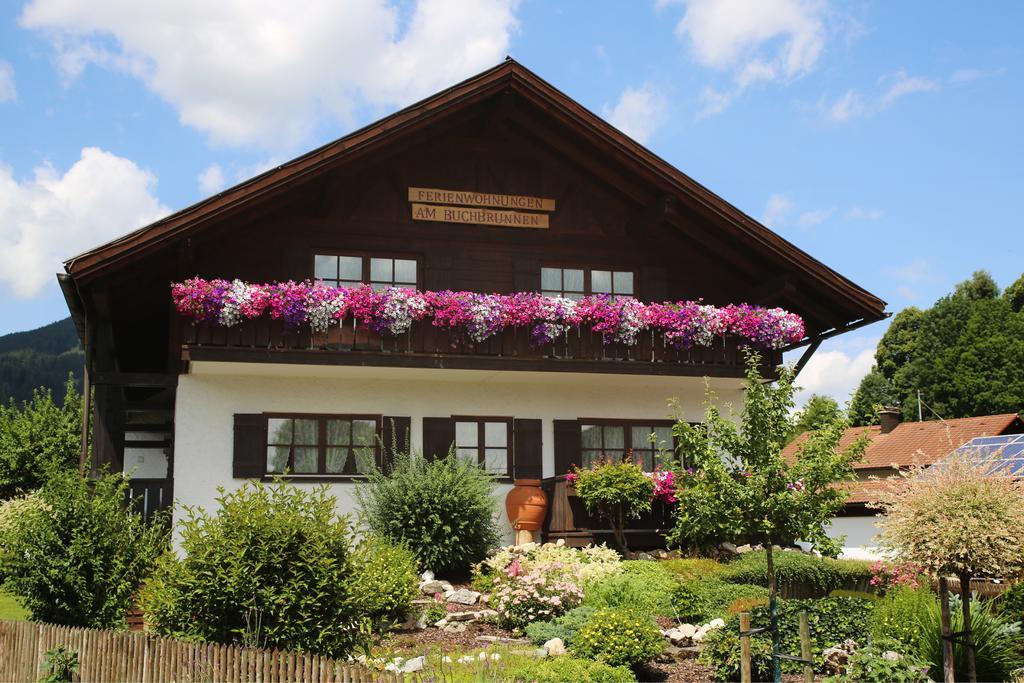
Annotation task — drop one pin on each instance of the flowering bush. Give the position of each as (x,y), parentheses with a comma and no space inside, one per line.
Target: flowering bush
(684,324)
(522,598)
(581,565)
(619,638)
(884,575)
(664,485)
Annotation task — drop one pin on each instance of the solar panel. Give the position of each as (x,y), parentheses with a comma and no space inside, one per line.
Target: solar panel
(997,454)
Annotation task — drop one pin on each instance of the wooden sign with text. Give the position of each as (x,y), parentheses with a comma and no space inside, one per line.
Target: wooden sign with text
(480,208)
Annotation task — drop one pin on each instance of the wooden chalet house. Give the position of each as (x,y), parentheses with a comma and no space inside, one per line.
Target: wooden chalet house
(499,184)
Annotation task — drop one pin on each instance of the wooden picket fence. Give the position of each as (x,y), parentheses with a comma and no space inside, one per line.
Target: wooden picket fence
(125,656)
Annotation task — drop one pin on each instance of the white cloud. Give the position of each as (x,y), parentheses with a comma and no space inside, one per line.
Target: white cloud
(638,112)
(264,72)
(850,105)
(8,93)
(211,179)
(808,219)
(900,84)
(837,371)
(763,41)
(776,210)
(909,277)
(52,216)
(859,213)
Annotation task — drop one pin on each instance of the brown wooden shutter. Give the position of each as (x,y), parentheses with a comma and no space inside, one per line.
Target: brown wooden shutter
(527,275)
(527,455)
(250,453)
(395,431)
(437,269)
(438,436)
(296,264)
(653,284)
(567,445)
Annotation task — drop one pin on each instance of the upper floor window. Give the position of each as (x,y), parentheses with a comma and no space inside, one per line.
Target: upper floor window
(575,283)
(341,270)
(615,438)
(486,441)
(331,445)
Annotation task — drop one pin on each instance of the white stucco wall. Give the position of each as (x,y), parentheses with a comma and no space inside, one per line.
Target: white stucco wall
(211,393)
(860,536)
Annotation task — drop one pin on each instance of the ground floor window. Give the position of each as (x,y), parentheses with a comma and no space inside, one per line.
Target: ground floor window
(329,445)
(486,441)
(616,438)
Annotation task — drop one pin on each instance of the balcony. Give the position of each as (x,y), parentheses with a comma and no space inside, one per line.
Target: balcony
(425,346)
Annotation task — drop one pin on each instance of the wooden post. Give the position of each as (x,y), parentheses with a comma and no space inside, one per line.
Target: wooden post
(965,605)
(948,675)
(745,675)
(805,647)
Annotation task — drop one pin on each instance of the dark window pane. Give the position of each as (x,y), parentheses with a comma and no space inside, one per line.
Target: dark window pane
(614,437)
(336,460)
(641,437)
(277,459)
(663,438)
(279,430)
(590,458)
(551,279)
(364,432)
(601,281)
(339,432)
(591,436)
(325,267)
(305,460)
(307,432)
(623,283)
(405,271)
(350,268)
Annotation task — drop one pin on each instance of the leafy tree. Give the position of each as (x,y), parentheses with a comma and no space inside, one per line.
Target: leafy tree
(874,392)
(817,412)
(961,518)
(898,345)
(615,491)
(1014,294)
(742,487)
(979,286)
(36,437)
(77,558)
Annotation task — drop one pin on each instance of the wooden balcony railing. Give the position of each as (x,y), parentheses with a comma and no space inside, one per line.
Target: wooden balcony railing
(424,345)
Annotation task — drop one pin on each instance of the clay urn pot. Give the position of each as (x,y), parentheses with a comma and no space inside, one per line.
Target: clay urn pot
(526,505)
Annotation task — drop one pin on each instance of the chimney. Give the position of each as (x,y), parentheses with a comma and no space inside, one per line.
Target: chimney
(888,418)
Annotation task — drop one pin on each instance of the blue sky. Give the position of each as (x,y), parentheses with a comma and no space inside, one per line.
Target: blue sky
(883,138)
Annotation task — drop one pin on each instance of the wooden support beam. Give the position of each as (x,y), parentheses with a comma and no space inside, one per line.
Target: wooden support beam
(135,379)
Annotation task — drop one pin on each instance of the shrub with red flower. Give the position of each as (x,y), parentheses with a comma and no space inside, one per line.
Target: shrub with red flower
(887,574)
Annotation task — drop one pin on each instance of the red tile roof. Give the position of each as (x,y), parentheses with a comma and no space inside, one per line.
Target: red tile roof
(920,442)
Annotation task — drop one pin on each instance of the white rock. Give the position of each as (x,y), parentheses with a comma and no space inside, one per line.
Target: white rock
(688,630)
(413,665)
(433,586)
(745,548)
(554,647)
(560,541)
(495,656)
(427,576)
(676,636)
(461,616)
(485,614)
(464,596)
(482,656)
(698,636)
(467,659)
(716,623)
(441,623)
(446,660)
(454,627)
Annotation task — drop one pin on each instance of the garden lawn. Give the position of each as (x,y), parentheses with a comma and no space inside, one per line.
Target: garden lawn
(11,609)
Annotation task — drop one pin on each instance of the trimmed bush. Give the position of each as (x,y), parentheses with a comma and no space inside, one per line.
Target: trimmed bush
(694,568)
(442,509)
(564,627)
(271,568)
(831,620)
(76,557)
(1010,604)
(569,668)
(384,581)
(644,587)
(821,574)
(872,665)
(619,638)
(702,601)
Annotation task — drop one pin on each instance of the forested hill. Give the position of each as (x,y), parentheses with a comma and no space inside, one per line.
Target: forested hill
(39,358)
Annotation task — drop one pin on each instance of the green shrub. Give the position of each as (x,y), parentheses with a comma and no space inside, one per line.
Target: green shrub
(870,665)
(384,581)
(271,568)
(645,587)
(899,614)
(442,509)
(860,595)
(721,652)
(568,668)
(823,574)
(831,621)
(618,638)
(1010,604)
(702,601)
(997,641)
(60,665)
(615,490)
(564,627)
(77,558)
(694,568)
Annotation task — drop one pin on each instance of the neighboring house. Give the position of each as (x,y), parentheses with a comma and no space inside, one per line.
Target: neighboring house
(896,446)
(190,408)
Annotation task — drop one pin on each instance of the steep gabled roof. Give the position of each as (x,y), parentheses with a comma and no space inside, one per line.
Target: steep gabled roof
(507,75)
